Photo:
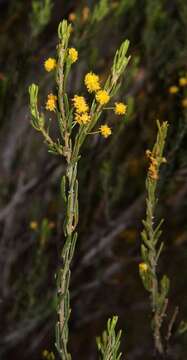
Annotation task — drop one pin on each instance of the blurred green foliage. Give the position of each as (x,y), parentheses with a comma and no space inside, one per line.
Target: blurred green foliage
(40,15)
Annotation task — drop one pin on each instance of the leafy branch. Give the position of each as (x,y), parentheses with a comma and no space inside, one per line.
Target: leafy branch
(151,249)
(108,344)
(76,120)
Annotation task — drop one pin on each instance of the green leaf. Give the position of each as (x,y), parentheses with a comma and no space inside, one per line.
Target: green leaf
(165,285)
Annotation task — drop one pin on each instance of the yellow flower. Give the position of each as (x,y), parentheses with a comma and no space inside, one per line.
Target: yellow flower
(120,108)
(184,102)
(91,81)
(82,118)
(50,64)
(33,225)
(72,17)
(183,81)
(51,102)
(80,104)
(143,267)
(105,130)
(173,89)
(73,55)
(102,97)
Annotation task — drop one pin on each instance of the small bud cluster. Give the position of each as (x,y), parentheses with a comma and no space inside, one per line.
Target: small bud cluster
(153,166)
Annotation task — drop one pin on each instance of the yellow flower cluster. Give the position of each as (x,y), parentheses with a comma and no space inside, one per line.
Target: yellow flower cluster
(81,108)
(120,108)
(73,54)
(143,267)
(80,104)
(51,102)
(102,97)
(105,131)
(83,118)
(91,81)
(50,64)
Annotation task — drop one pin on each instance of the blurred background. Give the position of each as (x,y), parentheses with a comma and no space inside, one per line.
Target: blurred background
(112,172)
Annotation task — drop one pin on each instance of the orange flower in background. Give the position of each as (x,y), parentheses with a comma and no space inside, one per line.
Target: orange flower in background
(184,102)
(72,17)
(85,13)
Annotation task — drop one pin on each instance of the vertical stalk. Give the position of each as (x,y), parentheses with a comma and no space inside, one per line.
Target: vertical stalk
(158,288)
(71,193)
(153,263)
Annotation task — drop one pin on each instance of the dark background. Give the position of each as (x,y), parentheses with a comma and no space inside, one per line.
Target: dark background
(105,278)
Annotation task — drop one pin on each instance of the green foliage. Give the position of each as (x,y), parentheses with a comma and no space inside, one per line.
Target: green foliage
(100,11)
(108,344)
(182,327)
(40,15)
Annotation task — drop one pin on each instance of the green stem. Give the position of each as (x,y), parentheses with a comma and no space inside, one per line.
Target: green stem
(67,255)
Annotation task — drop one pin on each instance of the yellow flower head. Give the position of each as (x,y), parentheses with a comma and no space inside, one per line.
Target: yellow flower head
(50,64)
(33,225)
(72,17)
(173,89)
(183,81)
(82,118)
(184,102)
(120,108)
(91,81)
(105,130)
(73,55)
(143,267)
(80,104)
(51,102)
(102,97)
